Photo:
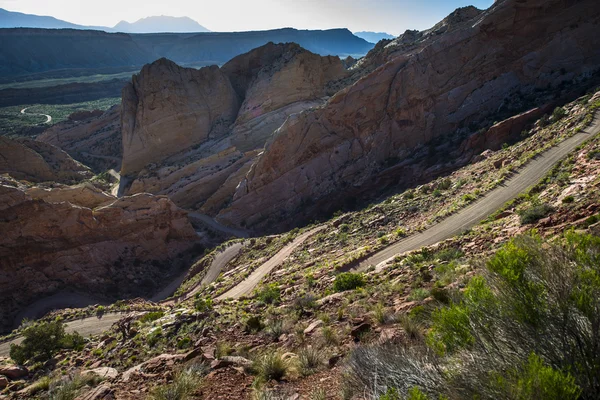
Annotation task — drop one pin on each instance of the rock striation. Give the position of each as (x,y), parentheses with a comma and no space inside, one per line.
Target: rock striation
(439,86)
(35,161)
(80,239)
(94,138)
(192,134)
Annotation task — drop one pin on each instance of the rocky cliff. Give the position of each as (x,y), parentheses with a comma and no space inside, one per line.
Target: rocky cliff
(193,134)
(81,239)
(92,138)
(449,81)
(39,162)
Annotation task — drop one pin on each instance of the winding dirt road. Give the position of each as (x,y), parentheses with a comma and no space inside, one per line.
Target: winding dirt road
(470,216)
(213,224)
(465,219)
(48,117)
(247,285)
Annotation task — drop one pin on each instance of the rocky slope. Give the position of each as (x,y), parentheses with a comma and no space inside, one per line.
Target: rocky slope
(78,238)
(39,162)
(193,134)
(94,138)
(478,67)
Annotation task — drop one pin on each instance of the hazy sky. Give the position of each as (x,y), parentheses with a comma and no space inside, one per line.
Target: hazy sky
(393,16)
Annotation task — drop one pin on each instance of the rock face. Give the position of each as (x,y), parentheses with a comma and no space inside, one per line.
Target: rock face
(93,138)
(39,162)
(192,135)
(123,248)
(168,108)
(438,86)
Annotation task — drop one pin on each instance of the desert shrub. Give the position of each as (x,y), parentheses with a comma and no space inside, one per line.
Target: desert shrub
(304,303)
(309,360)
(526,329)
(449,254)
(184,343)
(41,341)
(348,281)
(182,387)
(270,294)
(418,294)
(151,316)
(558,114)
(68,388)
(274,328)
(253,324)
(202,304)
(568,199)
(535,213)
(270,366)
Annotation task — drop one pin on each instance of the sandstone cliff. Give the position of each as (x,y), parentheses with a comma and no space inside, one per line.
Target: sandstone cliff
(191,134)
(92,138)
(463,77)
(61,239)
(168,108)
(39,162)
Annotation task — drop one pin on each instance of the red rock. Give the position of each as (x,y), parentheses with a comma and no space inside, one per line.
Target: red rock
(13,372)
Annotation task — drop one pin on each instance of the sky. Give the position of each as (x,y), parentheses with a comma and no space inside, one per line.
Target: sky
(392,16)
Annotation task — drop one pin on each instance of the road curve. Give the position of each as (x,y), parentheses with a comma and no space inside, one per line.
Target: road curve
(86,327)
(217,265)
(48,117)
(247,285)
(470,216)
(205,219)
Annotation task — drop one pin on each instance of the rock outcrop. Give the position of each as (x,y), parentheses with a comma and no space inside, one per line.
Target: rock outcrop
(94,138)
(60,239)
(192,134)
(465,76)
(168,108)
(34,161)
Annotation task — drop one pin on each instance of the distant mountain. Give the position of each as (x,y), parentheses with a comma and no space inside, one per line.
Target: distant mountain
(26,51)
(374,37)
(160,24)
(10,19)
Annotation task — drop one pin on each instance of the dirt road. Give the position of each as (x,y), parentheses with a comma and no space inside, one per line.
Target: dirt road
(247,285)
(205,219)
(48,117)
(470,216)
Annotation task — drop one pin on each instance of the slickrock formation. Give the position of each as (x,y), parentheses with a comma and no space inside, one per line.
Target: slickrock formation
(192,134)
(52,241)
(168,108)
(463,76)
(39,162)
(92,138)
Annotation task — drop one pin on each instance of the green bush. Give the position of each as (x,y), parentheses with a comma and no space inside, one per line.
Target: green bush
(348,281)
(269,294)
(271,366)
(182,387)
(558,114)
(568,200)
(151,316)
(41,341)
(309,360)
(535,213)
(536,380)
(203,304)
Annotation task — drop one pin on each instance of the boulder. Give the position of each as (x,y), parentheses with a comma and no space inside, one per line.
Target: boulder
(102,392)
(13,372)
(102,372)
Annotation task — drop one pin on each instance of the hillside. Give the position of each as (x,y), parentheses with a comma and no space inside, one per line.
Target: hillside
(11,19)
(30,51)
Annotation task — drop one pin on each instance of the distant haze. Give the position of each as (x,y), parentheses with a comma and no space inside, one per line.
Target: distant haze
(391,16)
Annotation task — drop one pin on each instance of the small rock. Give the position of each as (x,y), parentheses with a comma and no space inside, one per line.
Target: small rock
(102,392)
(360,330)
(313,326)
(231,361)
(14,372)
(3,382)
(504,214)
(103,372)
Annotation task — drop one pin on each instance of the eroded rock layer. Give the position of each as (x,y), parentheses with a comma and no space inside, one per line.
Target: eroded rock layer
(190,134)
(442,83)
(83,240)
